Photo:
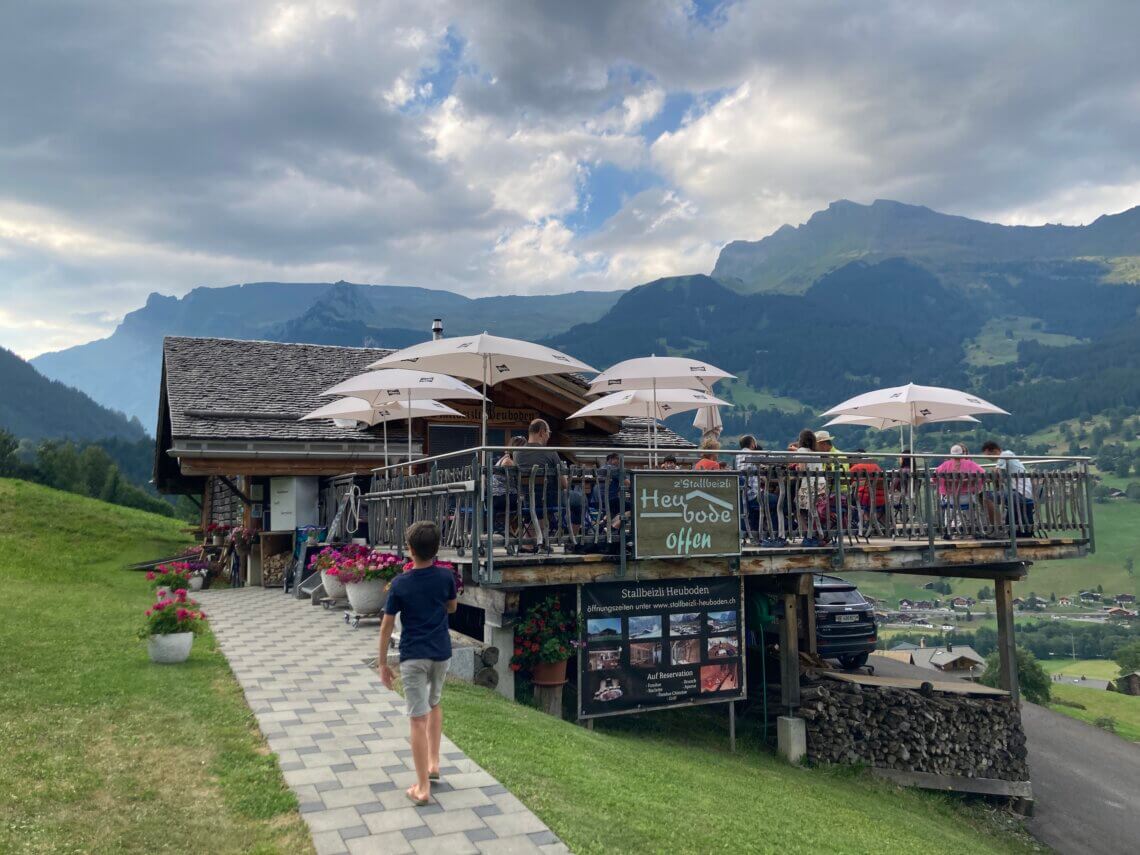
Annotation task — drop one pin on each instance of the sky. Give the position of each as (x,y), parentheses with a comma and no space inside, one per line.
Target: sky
(521,147)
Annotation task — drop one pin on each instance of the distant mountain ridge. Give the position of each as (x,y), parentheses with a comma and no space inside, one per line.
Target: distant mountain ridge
(34,407)
(859,295)
(792,257)
(122,370)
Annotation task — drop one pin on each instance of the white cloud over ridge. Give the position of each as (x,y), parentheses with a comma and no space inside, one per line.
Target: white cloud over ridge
(459,145)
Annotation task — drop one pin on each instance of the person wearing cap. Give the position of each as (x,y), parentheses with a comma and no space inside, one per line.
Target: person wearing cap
(823,442)
(959,482)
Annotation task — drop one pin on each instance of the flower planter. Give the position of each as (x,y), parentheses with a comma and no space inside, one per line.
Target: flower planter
(170,649)
(196,583)
(217,538)
(333,586)
(549,673)
(367,598)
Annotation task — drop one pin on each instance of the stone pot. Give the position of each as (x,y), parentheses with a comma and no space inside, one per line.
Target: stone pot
(367,598)
(217,539)
(170,649)
(196,583)
(333,586)
(549,673)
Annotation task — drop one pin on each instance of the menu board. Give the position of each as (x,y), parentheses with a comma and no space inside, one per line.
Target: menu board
(659,644)
(685,514)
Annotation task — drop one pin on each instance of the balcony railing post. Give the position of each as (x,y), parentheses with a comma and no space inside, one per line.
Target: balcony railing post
(1088,505)
(1012,510)
(621,476)
(927,490)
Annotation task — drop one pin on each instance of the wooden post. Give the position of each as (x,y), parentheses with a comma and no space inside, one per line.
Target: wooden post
(1007,644)
(807,601)
(790,653)
(549,699)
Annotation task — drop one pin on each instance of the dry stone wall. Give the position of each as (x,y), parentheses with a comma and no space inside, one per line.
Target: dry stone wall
(914,730)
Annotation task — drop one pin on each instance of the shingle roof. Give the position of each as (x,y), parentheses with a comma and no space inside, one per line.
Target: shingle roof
(936,657)
(634,433)
(219,388)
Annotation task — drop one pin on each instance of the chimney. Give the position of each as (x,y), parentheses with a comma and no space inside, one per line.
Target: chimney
(437,329)
(949,645)
(922,641)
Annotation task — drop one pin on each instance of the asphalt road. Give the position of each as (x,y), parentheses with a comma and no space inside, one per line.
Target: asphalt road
(1086,782)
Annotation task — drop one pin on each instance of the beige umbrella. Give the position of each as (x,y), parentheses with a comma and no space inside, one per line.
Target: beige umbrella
(350,411)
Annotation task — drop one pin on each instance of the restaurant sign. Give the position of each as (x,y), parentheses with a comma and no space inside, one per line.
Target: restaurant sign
(659,644)
(685,514)
(496,415)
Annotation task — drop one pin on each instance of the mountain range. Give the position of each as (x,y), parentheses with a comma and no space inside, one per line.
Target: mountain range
(858,296)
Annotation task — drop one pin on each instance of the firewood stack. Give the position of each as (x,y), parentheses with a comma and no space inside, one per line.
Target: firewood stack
(914,731)
(273,569)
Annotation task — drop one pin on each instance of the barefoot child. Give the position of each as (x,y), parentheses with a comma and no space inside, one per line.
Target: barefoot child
(423,597)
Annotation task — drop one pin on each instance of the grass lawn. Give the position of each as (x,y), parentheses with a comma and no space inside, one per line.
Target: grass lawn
(666,782)
(103,751)
(1097,669)
(1125,709)
(997,342)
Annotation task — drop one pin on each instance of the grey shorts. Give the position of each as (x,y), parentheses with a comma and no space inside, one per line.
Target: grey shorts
(423,684)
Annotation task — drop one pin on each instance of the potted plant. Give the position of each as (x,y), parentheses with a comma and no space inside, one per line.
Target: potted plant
(544,640)
(326,563)
(198,571)
(170,627)
(217,533)
(366,579)
(168,578)
(242,539)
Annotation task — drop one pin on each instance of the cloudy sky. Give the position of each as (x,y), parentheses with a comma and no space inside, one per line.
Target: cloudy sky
(511,147)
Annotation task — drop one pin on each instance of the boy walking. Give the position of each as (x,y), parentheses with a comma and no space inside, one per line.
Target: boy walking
(423,597)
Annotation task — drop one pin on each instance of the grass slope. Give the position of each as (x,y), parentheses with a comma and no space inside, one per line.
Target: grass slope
(103,751)
(666,782)
(1096,669)
(1124,709)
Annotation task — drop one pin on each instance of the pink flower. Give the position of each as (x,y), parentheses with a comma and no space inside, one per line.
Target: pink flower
(150,575)
(149,612)
(182,614)
(162,604)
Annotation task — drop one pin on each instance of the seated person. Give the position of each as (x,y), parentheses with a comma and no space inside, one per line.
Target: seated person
(708,461)
(959,477)
(550,469)
(870,486)
(670,462)
(1023,499)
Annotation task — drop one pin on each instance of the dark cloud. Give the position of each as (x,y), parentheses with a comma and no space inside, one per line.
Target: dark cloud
(160,146)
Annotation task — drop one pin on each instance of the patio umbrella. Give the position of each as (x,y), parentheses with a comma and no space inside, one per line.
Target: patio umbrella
(403,385)
(913,405)
(652,403)
(886,424)
(348,411)
(488,358)
(665,372)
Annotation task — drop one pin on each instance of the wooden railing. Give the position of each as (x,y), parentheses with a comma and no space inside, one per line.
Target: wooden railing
(787,500)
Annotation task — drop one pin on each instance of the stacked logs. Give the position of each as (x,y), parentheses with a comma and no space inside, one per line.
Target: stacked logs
(274,567)
(914,730)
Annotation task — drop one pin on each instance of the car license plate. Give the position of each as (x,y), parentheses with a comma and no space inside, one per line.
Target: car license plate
(846,618)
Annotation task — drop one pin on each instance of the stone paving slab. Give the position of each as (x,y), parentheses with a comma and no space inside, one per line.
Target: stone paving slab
(341,738)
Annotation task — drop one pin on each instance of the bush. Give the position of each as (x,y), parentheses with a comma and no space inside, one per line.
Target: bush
(1031,677)
(1106,722)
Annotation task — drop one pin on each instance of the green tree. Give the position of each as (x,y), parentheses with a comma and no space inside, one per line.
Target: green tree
(1128,657)
(1031,677)
(1123,467)
(9,465)
(1129,566)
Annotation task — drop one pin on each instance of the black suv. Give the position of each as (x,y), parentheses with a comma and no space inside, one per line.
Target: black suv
(844,622)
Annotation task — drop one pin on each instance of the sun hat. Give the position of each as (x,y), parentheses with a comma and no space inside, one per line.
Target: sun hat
(957,450)
(822,436)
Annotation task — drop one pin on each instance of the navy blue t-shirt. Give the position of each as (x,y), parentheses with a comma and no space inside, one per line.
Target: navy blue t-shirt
(420,597)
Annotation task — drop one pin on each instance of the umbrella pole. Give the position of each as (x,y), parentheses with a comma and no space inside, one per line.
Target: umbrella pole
(410,470)
(385,447)
(653,456)
(483,432)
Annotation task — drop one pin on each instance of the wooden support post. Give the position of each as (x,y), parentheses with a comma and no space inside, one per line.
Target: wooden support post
(1007,644)
(549,699)
(790,652)
(807,603)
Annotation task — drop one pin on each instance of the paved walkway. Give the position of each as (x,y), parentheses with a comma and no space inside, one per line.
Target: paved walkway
(342,739)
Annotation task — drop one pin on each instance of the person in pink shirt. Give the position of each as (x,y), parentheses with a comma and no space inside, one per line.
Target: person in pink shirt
(954,476)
